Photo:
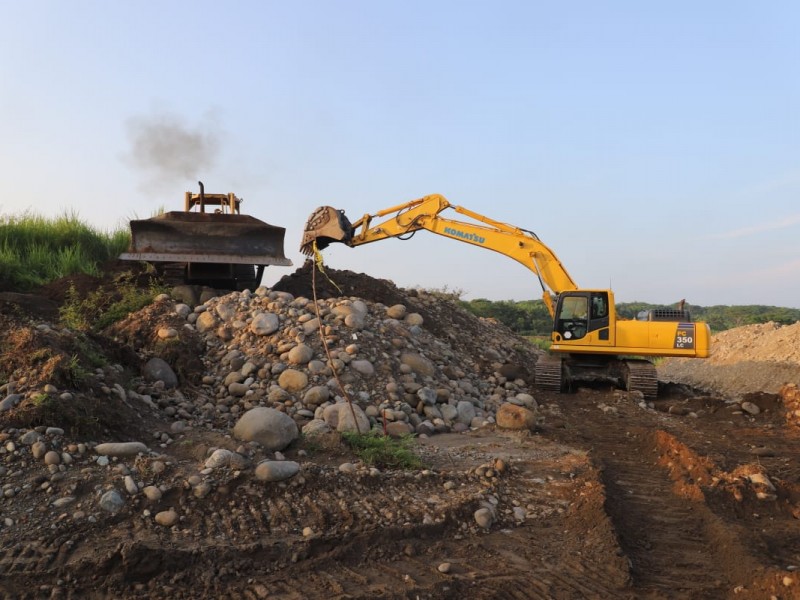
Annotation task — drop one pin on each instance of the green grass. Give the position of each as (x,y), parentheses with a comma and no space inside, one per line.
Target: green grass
(540,341)
(383,451)
(99,309)
(35,250)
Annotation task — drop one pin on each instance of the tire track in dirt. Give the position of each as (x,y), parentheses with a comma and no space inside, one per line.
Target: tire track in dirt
(676,545)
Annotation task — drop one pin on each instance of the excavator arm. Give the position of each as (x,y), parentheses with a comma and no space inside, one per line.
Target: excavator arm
(327,225)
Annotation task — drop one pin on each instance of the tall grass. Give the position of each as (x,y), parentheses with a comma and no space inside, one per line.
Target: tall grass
(35,250)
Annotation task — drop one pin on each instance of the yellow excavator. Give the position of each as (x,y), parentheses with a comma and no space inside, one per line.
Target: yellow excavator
(589,341)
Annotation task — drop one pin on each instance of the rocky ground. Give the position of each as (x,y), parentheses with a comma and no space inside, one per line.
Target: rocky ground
(195,450)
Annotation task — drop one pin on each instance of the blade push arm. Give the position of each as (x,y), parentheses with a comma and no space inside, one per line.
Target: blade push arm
(425,213)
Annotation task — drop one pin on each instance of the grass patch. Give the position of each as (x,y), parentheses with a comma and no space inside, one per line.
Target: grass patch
(540,341)
(35,250)
(381,451)
(98,310)
(42,400)
(74,373)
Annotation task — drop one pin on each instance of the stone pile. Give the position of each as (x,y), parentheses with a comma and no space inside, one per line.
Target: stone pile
(265,377)
(265,350)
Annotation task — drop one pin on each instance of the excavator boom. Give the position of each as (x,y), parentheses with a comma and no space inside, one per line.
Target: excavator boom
(327,225)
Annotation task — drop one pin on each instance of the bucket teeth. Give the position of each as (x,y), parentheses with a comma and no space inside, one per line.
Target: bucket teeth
(323,227)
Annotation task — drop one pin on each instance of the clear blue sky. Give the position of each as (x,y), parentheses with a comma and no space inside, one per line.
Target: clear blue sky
(654,146)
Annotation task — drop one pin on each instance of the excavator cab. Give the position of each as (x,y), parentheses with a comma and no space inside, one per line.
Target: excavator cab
(583,315)
(573,317)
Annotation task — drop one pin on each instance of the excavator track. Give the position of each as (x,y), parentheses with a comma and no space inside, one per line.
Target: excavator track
(548,373)
(642,377)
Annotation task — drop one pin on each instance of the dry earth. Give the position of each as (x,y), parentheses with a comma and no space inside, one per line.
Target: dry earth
(694,496)
(753,358)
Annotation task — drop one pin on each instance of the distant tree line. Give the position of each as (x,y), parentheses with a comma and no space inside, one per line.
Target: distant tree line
(530,317)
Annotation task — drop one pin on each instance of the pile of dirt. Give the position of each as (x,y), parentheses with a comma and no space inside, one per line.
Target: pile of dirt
(753,358)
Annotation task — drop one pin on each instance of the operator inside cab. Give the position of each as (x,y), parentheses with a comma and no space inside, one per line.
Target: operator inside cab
(574,317)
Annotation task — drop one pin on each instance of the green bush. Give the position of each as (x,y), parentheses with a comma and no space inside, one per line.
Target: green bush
(382,451)
(97,310)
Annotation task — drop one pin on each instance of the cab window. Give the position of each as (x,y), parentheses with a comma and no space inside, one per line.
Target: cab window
(574,307)
(572,321)
(599,306)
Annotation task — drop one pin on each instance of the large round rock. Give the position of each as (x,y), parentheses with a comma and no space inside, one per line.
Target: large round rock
(510,416)
(157,369)
(269,427)
(340,417)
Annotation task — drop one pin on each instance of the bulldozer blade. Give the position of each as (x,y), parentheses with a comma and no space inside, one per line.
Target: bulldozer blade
(206,238)
(325,226)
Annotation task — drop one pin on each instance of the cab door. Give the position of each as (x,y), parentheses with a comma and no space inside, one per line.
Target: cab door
(583,319)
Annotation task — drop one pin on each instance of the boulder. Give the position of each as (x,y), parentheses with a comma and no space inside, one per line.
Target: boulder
(269,427)
(363,367)
(511,416)
(466,412)
(398,311)
(265,324)
(316,395)
(121,449)
(417,363)
(300,355)
(293,380)
(340,417)
(157,369)
(276,470)
(205,322)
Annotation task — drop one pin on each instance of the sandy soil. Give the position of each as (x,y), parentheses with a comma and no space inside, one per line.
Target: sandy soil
(753,358)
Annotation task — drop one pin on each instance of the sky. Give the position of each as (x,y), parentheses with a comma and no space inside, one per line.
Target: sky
(654,147)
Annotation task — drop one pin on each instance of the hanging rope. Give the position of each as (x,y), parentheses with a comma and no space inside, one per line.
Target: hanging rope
(319,266)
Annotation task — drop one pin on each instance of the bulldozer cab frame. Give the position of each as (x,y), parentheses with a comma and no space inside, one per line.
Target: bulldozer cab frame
(227,203)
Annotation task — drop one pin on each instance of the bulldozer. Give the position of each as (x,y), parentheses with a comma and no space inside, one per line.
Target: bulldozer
(208,243)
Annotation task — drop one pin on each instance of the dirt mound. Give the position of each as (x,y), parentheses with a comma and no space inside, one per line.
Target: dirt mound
(334,283)
(753,358)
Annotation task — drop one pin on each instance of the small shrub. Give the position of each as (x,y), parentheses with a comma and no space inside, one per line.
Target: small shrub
(42,400)
(383,451)
(96,311)
(74,372)
(73,313)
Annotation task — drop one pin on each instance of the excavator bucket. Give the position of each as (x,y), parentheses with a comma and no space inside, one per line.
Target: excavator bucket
(325,226)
